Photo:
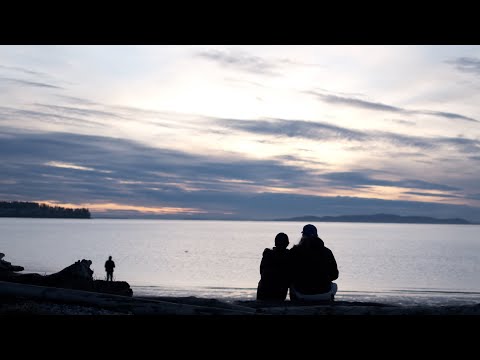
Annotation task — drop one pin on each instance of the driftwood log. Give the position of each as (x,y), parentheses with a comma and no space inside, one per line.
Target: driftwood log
(76,276)
(7,266)
(117,303)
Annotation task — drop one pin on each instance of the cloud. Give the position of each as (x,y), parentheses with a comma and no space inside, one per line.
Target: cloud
(403,122)
(76,100)
(355,179)
(463,144)
(340,100)
(432,194)
(13,114)
(375,106)
(416,142)
(79,111)
(295,128)
(23,70)
(466,64)
(328,132)
(129,166)
(63,165)
(443,114)
(125,172)
(250,63)
(239,60)
(29,83)
(292,158)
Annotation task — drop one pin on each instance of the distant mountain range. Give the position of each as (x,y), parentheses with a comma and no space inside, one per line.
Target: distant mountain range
(378,218)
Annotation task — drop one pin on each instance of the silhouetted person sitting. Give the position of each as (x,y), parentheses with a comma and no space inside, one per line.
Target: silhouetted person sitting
(109,266)
(313,268)
(274,281)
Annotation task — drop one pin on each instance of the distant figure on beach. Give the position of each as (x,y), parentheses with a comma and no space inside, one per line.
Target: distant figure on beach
(313,268)
(274,271)
(109,266)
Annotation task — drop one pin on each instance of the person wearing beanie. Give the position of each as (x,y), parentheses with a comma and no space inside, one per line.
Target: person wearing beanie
(313,268)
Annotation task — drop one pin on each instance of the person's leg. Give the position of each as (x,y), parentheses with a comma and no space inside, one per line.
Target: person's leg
(327,296)
(292,294)
(333,290)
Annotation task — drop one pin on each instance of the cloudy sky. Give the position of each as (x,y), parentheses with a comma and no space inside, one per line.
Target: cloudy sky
(242,131)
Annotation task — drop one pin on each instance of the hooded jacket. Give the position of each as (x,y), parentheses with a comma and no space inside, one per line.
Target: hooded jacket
(275,274)
(313,267)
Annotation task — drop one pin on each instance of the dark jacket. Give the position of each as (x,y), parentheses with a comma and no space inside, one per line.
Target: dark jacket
(275,277)
(313,268)
(109,265)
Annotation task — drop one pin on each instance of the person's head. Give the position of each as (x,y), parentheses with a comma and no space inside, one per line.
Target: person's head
(281,240)
(310,237)
(109,258)
(309,230)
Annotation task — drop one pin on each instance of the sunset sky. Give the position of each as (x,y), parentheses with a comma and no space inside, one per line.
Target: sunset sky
(247,132)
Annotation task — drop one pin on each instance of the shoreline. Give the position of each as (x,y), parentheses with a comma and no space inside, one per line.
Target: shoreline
(395,297)
(59,301)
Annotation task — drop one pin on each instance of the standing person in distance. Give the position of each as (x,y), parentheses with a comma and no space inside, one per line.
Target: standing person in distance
(109,266)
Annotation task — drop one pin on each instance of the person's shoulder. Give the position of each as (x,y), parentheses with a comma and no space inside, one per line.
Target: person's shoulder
(327,250)
(267,251)
(293,250)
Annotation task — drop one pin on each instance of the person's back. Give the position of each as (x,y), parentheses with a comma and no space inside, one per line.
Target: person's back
(313,266)
(274,271)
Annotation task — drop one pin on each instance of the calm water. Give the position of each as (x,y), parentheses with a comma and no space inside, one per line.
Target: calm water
(399,263)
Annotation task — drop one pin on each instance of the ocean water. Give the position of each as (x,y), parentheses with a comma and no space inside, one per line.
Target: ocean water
(392,263)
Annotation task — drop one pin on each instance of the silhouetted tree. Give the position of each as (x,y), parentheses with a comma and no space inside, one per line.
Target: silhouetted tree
(35,210)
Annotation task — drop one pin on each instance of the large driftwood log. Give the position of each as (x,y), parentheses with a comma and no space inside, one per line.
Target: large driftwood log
(113,302)
(6,266)
(76,276)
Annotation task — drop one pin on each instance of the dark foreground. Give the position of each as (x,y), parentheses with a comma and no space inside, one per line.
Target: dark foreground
(21,299)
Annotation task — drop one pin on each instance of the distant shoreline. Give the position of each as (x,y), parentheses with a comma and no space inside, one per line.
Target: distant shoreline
(380,218)
(366,219)
(246,220)
(26,209)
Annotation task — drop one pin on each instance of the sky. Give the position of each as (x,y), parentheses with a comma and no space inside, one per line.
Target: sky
(242,132)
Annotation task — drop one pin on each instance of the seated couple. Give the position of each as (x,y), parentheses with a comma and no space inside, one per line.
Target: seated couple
(308,269)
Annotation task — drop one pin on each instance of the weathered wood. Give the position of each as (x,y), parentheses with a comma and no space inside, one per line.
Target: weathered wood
(114,302)
(205,302)
(6,266)
(76,276)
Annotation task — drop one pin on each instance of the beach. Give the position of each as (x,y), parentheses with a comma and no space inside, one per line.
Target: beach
(21,299)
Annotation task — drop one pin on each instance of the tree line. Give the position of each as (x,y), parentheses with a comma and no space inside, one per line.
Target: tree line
(36,210)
